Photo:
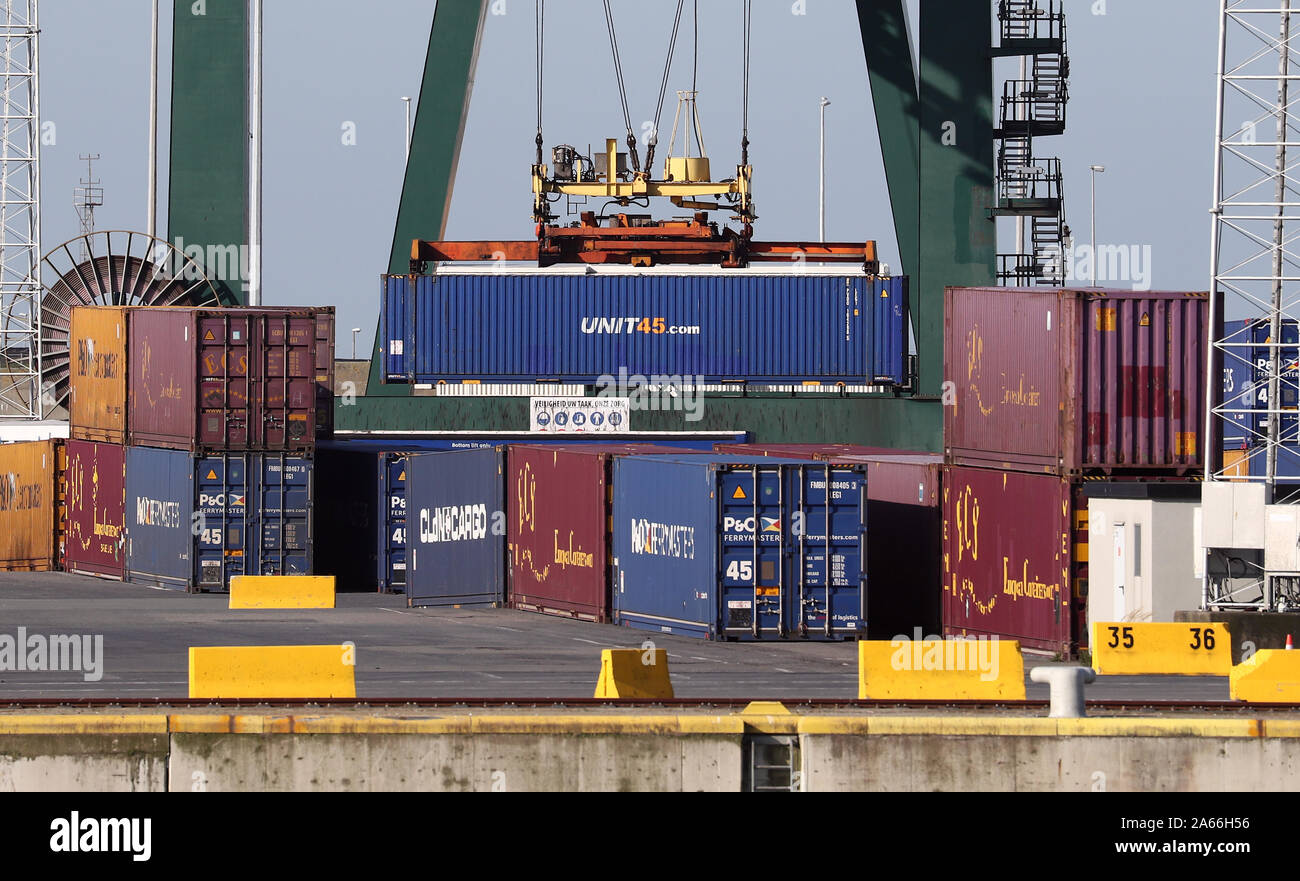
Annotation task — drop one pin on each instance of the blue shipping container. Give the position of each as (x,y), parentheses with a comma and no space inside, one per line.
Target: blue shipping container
(456,529)
(193,523)
(390,500)
(1290,375)
(794,327)
(1238,383)
(740,548)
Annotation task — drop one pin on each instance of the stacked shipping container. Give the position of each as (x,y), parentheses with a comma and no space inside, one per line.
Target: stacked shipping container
(194,435)
(1053,388)
(32,505)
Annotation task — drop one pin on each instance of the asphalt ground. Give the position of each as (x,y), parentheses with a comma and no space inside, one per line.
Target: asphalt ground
(433,653)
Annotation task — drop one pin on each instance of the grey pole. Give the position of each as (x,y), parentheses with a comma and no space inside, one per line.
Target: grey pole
(152,227)
(408,127)
(1095,169)
(822,200)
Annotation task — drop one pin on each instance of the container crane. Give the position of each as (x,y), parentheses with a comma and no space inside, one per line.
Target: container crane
(618,177)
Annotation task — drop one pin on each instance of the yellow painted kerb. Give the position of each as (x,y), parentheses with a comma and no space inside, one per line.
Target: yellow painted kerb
(299,671)
(282,592)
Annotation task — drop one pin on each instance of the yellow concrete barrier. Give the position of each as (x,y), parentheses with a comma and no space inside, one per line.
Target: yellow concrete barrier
(282,592)
(1271,676)
(1138,649)
(634,674)
(941,669)
(297,671)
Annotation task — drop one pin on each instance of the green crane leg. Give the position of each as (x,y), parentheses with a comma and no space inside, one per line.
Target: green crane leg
(436,139)
(207,201)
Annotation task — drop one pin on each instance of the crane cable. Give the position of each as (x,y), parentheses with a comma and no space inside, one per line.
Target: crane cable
(541,54)
(663,89)
(622,93)
(747,26)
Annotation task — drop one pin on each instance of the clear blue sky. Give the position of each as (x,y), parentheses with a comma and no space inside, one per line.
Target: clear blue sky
(1142,104)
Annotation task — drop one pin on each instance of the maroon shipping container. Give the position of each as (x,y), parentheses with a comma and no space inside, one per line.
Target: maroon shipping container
(1015,557)
(228,379)
(558,501)
(95,485)
(1076,381)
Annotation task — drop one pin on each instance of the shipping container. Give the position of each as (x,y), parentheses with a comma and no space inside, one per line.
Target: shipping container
(1076,381)
(804,451)
(457,529)
(1288,391)
(1238,383)
(194,522)
(904,544)
(740,548)
(576,327)
(558,510)
(31,511)
(391,452)
(225,380)
(97,368)
(1015,557)
(95,483)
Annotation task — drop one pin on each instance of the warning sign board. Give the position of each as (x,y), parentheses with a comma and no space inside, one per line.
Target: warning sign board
(580,415)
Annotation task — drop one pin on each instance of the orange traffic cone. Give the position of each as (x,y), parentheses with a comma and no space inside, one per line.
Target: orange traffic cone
(1289,646)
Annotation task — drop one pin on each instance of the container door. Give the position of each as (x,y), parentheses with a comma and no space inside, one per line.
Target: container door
(226,388)
(282,520)
(753,551)
(830,563)
(287,369)
(222,523)
(392,523)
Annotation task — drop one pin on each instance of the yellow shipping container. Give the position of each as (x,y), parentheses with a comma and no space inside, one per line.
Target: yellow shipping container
(97,369)
(30,491)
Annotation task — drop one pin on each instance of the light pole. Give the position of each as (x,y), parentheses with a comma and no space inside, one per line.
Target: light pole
(355,331)
(407,100)
(152,217)
(1096,170)
(821,213)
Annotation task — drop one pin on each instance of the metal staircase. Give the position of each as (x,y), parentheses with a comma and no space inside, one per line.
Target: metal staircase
(1029,186)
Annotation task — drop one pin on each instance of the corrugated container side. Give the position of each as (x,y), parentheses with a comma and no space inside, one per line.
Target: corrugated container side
(1015,557)
(160,523)
(803,451)
(1076,381)
(29,506)
(727,547)
(97,365)
(96,500)
(1238,384)
(457,529)
(790,328)
(195,522)
(347,519)
(890,310)
(558,511)
(223,380)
